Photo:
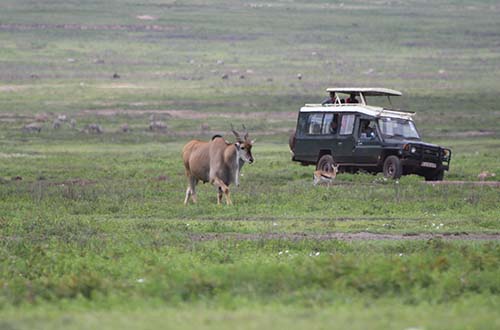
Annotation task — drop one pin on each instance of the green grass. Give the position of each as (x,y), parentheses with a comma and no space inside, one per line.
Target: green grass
(93,232)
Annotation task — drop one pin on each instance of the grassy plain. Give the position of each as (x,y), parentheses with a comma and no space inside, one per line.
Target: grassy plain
(93,232)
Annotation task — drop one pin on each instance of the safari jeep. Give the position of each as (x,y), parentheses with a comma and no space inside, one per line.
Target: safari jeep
(347,132)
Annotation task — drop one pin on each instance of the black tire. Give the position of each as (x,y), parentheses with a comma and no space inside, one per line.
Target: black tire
(291,142)
(393,168)
(435,176)
(325,163)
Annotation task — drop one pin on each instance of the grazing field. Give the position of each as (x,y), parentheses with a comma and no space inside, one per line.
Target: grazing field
(93,232)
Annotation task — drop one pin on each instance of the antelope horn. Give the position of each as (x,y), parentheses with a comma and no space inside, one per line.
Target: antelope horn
(246,132)
(235,133)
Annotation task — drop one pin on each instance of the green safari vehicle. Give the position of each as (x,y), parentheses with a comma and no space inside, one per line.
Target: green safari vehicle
(347,132)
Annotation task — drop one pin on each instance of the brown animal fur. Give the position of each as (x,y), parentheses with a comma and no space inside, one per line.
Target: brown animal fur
(321,177)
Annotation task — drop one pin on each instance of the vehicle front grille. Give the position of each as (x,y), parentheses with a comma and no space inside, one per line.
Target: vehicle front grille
(430,154)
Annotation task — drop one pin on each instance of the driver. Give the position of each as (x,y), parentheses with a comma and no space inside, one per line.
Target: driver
(366,130)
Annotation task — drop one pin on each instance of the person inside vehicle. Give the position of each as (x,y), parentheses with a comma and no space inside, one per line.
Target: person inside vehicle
(352,99)
(334,126)
(329,100)
(366,131)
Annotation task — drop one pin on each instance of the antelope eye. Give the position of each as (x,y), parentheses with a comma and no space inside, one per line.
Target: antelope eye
(242,148)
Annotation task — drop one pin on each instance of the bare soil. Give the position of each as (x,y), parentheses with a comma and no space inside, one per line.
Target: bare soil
(74,182)
(464,134)
(469,183)
(362,236)
(78,27)
(191,114)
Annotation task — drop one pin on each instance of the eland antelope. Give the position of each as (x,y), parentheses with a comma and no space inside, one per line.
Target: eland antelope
(217,161)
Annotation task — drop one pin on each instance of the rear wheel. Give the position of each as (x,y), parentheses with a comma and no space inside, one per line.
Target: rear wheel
(392,167)
(325,163)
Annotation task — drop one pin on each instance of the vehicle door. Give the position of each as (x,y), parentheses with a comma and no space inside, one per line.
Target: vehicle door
(314,134)
(344,148)
(368,146)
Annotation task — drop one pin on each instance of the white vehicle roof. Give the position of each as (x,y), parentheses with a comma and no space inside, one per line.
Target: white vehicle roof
(358,108)
(365,91)
(361,107)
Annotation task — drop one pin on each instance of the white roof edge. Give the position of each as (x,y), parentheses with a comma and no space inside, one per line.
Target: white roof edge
(367,110)
(366,91)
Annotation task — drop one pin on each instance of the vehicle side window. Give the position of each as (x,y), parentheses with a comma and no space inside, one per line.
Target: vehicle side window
(330,124)
(314,123)
(347,124)
(302,128)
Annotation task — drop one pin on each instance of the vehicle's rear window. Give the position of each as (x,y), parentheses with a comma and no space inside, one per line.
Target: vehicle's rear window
(347,124)
(302,124)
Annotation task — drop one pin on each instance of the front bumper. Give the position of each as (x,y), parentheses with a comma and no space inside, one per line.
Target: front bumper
(427,160)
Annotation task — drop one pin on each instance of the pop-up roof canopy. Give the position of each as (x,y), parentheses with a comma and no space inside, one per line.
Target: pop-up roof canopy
(366,91)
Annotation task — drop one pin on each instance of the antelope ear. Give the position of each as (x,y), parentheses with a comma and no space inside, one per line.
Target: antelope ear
(237,145)
(252,142)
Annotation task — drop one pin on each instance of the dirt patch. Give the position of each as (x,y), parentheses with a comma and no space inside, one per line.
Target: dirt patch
(12,88)
(83,27)
(469,183)
(146,18)
(362,236)
(7,117)
(464,134)
(123,86)
(74,182)
(162,178)
(190,114)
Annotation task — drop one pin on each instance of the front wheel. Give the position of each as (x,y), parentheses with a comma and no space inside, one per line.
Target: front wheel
(393,168)
(326,163)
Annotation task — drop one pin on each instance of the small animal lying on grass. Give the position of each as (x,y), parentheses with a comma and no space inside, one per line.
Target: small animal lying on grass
(217,162)
(321,177)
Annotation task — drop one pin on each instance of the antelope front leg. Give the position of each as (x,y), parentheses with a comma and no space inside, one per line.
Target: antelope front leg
(237,178)
(188,193)
(228,198)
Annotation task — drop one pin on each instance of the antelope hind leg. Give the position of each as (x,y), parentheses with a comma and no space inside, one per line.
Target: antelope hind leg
(190,191)
(219,195)
(192,183)
(222,188)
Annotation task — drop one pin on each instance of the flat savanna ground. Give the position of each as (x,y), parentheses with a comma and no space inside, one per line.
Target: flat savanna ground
(93,233)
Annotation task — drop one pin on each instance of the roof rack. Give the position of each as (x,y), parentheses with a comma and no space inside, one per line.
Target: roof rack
(397,111)
(365,91)
(358,108)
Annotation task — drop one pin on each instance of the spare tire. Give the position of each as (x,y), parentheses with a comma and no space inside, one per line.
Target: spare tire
(291,142)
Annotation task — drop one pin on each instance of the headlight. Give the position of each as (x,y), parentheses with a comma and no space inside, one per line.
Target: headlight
(446,154)
(413,150)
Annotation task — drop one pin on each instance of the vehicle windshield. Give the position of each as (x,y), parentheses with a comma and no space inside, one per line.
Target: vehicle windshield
(398,128)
